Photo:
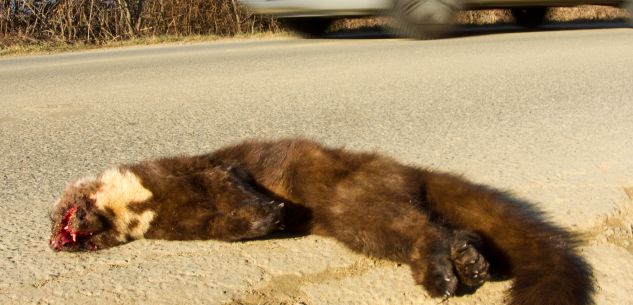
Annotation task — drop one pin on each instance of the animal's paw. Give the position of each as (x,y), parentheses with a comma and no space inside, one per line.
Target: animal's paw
(254,219)
(437,276)
(265,218)
(470,265)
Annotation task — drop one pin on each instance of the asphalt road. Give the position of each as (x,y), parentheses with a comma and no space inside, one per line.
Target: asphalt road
(548,115)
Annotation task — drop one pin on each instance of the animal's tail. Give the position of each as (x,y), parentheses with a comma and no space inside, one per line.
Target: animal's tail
(542,257)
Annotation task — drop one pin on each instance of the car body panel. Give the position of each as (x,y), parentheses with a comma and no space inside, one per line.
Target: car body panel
(316,8)
(341,8)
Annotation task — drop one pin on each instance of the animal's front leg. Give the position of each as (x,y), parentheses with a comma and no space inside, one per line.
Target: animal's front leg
(244,210)
(252,220)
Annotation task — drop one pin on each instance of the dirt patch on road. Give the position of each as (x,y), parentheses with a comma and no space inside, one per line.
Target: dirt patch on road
(617,229)
(286,289)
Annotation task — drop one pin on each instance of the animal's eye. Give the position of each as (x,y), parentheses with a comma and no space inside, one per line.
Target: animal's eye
(80,214)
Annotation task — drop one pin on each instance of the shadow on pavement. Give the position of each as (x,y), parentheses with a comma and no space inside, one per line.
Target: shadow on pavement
(491,29)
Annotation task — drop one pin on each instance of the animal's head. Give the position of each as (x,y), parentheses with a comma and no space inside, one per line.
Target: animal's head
(215,202)
(75,220)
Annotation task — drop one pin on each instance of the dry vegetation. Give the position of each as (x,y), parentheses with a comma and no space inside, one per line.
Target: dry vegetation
(60,23)
(482,17)
(562,14)
(101,21)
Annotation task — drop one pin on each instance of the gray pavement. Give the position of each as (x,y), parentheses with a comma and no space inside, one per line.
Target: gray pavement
(547,115)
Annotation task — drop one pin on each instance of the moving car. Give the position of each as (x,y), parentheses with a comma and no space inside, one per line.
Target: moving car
(412,18)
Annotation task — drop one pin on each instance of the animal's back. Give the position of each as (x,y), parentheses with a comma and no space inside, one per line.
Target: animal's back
(380,207)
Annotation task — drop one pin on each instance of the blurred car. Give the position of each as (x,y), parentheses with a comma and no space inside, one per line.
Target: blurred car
(418,19)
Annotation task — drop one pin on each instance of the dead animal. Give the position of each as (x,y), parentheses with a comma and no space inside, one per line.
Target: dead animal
(452,233)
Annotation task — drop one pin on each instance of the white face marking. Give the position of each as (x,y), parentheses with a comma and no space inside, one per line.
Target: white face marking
(120,189)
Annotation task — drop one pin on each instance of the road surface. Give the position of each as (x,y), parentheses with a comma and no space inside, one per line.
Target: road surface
(548,115)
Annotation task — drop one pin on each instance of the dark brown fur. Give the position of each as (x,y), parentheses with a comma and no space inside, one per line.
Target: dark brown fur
(450,231)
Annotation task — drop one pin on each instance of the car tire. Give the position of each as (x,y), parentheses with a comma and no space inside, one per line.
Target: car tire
(529,17)
(423,19)
(628,6)
(307,27)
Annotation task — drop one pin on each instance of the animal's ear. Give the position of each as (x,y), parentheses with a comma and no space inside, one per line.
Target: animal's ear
(71,185)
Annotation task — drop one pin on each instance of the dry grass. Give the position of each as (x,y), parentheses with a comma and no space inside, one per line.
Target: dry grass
(105,21)
(481,17)
(562,14)
(46,47)
(587,12)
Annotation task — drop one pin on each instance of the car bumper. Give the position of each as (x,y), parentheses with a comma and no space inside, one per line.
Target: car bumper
(316,8)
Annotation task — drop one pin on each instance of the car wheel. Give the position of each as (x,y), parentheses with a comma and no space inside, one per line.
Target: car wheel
(628,6)
(423,19)
(529,16)
(308,27)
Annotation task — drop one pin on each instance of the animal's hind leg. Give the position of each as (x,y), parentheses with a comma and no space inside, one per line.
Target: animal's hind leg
(443,260)
(447,261)
(470,265)
(398,231)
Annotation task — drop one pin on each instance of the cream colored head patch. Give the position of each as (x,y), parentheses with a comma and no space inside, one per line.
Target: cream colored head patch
(119,189)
